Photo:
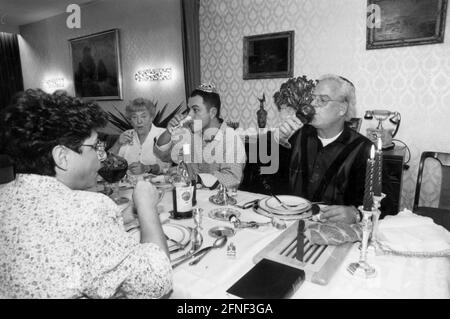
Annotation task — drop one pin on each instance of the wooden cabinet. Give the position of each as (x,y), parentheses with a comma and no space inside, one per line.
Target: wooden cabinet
(393,170)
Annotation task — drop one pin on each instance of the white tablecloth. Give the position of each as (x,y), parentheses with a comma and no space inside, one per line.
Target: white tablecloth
(398,277)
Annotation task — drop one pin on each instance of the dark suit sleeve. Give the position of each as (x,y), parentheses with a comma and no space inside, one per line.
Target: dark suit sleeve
(354,193)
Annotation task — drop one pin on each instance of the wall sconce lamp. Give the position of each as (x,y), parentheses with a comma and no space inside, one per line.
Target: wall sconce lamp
(55,83)
(153,74)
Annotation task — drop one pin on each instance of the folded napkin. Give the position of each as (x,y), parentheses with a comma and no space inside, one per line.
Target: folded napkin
(411,235)
(333,233)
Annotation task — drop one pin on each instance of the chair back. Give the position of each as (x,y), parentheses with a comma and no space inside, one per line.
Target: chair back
(7,173)
(433,181)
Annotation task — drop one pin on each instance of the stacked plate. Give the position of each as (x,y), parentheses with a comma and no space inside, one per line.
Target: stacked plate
(293,207)
(178,234)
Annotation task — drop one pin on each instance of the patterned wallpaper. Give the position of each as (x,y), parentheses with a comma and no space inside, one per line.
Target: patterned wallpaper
(330,38)
(150,37)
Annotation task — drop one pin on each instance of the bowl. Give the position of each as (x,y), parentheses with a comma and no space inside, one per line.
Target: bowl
(113,169)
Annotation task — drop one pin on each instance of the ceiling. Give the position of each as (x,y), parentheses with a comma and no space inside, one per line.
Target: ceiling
(14,13)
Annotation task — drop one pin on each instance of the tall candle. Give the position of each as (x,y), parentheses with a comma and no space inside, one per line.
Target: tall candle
(378,168)
(368,185)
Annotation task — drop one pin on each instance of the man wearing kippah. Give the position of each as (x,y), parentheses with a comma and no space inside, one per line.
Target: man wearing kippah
(218,153)
(328,158)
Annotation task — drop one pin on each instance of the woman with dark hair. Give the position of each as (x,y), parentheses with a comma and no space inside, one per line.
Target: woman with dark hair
(56,239)
(136,145)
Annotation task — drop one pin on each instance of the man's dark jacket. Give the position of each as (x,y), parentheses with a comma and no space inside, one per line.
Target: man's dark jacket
(334,174)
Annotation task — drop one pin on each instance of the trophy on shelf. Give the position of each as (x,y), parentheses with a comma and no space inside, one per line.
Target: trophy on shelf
(386,135)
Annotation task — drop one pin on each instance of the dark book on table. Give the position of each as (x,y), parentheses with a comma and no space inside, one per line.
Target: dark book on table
(269,280)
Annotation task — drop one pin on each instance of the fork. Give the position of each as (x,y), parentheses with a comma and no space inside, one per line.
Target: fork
(177,244)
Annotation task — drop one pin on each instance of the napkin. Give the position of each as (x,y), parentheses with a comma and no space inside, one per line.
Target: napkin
(332,233)
(411,235)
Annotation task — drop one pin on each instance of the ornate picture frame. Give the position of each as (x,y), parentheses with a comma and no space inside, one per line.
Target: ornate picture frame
(269,56)
(96,66)
(405,23)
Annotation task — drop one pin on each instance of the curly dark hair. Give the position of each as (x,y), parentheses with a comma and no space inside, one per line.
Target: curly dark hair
(36,122)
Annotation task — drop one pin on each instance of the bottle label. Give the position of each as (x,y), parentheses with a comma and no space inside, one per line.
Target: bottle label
(184,198)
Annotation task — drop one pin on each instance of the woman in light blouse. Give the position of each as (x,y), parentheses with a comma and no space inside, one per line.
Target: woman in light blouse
(58,240)
(136,145)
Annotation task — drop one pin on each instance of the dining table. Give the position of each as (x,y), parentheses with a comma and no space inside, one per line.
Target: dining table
(397,277)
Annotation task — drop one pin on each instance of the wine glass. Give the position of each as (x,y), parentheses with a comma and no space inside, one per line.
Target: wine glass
(113,169)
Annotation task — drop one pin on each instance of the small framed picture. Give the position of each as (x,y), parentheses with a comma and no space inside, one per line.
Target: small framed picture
(269,56)
(405,23)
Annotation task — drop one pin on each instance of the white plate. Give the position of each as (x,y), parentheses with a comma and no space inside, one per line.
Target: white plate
(176,232)
(265,213)
(299,202)
(281,211)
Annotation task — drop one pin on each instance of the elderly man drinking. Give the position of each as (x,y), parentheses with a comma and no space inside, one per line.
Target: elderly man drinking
(328,158)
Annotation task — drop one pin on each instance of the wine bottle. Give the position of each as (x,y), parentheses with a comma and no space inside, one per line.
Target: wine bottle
(183,190)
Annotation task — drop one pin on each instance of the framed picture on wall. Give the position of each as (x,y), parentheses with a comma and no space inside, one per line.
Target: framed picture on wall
(398,23)
(96,66)
(269,56)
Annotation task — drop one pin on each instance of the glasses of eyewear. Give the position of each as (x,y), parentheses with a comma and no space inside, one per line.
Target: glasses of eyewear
(323,100)
(99,148)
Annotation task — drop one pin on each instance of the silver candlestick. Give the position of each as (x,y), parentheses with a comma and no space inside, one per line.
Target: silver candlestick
(362,267)
(373,243)
(198,214)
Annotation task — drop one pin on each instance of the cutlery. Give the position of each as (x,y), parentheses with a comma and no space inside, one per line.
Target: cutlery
(247,205)
(282,204)
(177,244)
(196,243)
(218,243)
(269,189)
(274,221)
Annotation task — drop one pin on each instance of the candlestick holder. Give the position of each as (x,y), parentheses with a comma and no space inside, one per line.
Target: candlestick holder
(373,241)
(362,268)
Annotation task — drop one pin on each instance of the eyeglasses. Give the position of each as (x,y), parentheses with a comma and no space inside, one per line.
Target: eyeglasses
(99,148)
(323,100)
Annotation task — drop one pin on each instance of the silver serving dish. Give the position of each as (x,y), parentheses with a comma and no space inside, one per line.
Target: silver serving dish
(221,231)
(223,214)
(218,200)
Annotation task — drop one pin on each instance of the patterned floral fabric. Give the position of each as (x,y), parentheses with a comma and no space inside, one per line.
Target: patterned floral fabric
(59,243)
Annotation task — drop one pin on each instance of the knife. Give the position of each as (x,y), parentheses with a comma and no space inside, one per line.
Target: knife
(300,240)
